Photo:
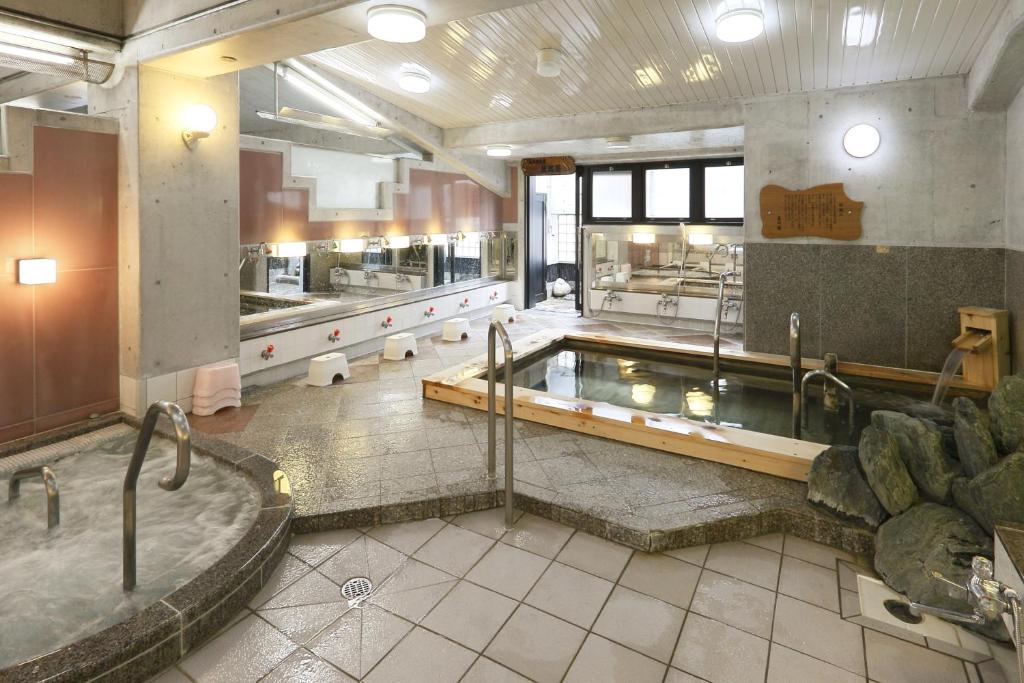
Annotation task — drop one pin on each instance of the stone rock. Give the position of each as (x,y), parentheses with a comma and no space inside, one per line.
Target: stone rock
(931,537)
(1006,413)
(560,288)
(921,449)
(996,495)
(836,484)
(974,444)
(879,456)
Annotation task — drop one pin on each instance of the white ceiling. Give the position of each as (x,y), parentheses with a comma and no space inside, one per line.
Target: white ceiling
(707,142)
(627,54)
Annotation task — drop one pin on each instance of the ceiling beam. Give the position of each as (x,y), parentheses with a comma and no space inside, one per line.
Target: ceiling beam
(21,85)
(998,72)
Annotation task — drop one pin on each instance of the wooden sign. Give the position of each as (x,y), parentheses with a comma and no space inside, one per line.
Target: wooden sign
(820,211)
(549,166)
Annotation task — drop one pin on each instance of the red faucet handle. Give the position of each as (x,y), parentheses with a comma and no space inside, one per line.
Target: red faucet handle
(466,300)
(431,309)
(270,348)
(337,332)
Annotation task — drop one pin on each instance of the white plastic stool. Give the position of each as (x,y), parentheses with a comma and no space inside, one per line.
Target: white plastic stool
(504,313)
(323,369)
(217,386)
(455,329)
(398,346)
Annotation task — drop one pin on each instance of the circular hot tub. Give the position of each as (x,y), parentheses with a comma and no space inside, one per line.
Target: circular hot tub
(202,552)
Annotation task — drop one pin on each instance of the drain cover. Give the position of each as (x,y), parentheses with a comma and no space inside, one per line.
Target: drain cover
(357,588)
(901,611)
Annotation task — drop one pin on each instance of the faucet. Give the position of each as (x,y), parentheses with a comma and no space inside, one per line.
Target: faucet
(718,320)
(794,366)
(402,277)
(714,253)
(52,491)
(183,437)
(988,597)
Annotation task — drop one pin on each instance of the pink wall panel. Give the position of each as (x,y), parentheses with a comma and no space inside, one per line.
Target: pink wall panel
(16,308)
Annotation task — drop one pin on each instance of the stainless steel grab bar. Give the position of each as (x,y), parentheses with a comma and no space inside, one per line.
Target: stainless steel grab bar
(829,377)
(183,437)
(794,365)
(52,491)
(718,319)
(497,329)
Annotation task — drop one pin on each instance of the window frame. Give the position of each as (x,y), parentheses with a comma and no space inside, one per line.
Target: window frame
(639,192)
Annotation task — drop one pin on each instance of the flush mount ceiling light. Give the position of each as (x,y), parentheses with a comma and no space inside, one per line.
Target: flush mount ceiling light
(499,150)
(862,140)
(198,121)
(414,81)
(396,23)
(37,271)
(549,62)
(617,142)
(738,22)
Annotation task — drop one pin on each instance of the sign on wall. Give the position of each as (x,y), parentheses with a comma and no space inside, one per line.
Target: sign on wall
(819,211)
(548,166)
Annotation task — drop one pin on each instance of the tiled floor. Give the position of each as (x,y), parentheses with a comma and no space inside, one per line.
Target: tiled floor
(466,600)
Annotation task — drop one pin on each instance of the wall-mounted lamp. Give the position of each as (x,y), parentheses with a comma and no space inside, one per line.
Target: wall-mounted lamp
(439,238)
(198,121)
(398,242)
(861,140)
(37,271)
(643,238)
(352,246)
(288,250)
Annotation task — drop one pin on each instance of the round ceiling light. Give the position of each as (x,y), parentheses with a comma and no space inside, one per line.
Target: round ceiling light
(549,62)
(739,25)
(861,140)
(414,81)
(617,142)
(396,23)
(499,150)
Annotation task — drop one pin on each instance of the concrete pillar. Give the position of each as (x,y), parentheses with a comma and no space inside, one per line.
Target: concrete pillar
(178,283)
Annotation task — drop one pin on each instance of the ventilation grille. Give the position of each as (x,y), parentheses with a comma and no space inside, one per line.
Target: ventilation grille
(80,70)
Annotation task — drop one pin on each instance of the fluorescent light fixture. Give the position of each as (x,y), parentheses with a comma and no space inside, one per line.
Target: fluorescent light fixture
(643,237)
(549,62)
(36,55)
(352,246)
(197,122)
(396,23)
(499,150)
(37,271)
(617,142)
(398,242)
(322,90)
(288,249)
(700,239)
(739,25)
(861,140)
(414,81)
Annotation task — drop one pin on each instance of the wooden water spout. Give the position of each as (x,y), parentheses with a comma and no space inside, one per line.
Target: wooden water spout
(985,339)
(973,341)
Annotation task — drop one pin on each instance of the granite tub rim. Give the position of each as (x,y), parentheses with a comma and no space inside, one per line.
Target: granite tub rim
(256,553)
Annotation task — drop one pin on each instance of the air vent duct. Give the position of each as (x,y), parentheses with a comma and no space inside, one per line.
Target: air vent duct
(79,68)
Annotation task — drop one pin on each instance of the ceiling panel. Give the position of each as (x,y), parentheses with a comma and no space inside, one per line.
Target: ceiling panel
(627,54)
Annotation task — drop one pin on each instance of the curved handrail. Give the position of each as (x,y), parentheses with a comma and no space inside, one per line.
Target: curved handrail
(183,437)
(794,366)
(718,318)
(49,482)
(828,376)
(498,329)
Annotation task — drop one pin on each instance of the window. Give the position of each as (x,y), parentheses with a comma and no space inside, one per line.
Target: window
(723,192)
(613,194)
(667,192)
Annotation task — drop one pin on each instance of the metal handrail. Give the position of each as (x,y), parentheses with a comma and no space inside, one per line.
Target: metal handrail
(794,365)
(830,377)
(497,329)
(718,320)
(183,438)
(52,490)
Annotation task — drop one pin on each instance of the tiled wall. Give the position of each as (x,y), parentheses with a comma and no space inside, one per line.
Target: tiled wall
(435,202)
(59,348)
(894,306)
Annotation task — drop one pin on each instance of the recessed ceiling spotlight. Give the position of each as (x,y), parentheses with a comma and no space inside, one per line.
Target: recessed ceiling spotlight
(739,22)
(549,62)
(396,23)
(499,150)
(861,140)
(617,142)
(414,81)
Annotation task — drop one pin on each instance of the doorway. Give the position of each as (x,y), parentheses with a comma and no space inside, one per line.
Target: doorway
(552,256)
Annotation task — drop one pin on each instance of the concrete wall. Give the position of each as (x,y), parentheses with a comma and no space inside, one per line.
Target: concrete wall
(1015,226)
(933,222)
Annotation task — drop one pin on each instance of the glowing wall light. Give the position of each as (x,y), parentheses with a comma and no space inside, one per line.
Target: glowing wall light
(398,242)
(288,250)
(352,246)
(197,122)
(861,140)
(37,271)
(643,237)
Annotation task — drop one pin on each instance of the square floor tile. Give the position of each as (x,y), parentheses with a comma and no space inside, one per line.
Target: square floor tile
(470,615)
(486,671)
(289,570)
(249,650)
(747,562)
(816,553)
(509,571)
(407,537)
(536,645)
(312,589)
(809,582)
(646,624)
(595,555)
(819,633)
(662,577)
(172,675)
(570,594)
(424,657)
(304,622)
(891,660)
(363,557)
(413,590)
(360,639)
(720,653)
(694,555)
(601,659)
(303,665)
(768,541)
(539,536)
(315,548)
(454,549)
(490,523)
(788,666)
(734,602)
(677,676)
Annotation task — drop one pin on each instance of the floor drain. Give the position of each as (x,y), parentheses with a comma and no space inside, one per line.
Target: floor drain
(901,611)
(356,589)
